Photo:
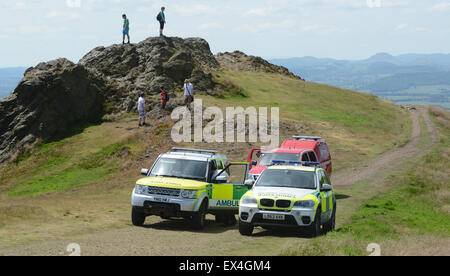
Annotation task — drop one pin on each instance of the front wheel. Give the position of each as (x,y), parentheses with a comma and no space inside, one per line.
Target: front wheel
(198,220)
(314,229)
(331,225)
(137,218)
(246,229)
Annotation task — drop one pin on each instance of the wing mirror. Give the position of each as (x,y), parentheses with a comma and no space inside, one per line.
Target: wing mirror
(254,163)
(326,188)
(223,178)
(145,172)
(249,183)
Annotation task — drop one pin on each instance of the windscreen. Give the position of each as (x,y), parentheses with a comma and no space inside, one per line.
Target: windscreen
(179,168)
(287,179)
(269,157)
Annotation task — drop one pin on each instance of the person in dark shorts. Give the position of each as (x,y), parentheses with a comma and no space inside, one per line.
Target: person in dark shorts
(126,28)
(188,93)
(162,21)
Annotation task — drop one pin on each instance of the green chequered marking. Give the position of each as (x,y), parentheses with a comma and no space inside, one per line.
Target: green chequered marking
(239,191)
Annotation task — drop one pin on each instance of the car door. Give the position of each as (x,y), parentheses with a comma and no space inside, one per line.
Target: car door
(325,197)
(226,196)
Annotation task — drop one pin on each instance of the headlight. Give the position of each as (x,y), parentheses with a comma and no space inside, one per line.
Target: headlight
(305,204)
(249,200)
(141,190)
(189,194)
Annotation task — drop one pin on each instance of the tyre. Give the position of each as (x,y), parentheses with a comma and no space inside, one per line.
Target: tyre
(198,220)
(331,225)
(137,218)
(246,229)
(220,218)
(314,229)
(230,220)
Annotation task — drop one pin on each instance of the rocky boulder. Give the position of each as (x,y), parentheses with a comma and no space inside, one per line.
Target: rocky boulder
(153,63)
(48,101)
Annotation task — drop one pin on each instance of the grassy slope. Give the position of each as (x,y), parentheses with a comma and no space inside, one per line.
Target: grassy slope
(95,181)
(357,125)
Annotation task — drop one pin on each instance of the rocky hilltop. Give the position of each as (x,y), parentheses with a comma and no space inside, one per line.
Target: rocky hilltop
(55,95)
(238,61)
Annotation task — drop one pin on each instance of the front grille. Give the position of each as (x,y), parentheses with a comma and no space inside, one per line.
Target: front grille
(164,191)
(265,202)
(283,203)
(278,210)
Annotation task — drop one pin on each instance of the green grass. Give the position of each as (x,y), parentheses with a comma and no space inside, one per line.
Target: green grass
(89,169)
(410,203)
(357,125)
(405,206)
(66,179)
(79,160)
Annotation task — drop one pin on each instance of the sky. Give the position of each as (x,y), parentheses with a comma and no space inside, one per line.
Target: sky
(33,31)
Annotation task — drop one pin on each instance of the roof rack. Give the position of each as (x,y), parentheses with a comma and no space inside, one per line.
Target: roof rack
(307,138)
(210,152)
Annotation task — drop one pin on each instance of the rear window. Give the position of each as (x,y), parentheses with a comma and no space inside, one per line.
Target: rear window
(269,157)
(287,179)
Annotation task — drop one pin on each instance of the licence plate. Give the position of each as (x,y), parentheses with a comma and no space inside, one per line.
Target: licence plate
(159,199)
(273,217)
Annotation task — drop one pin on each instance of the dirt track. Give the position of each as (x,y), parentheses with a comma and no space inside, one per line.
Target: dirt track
(368,169)
(174,238)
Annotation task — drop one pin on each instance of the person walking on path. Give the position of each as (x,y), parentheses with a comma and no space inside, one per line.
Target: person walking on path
(126,28)
(141,110)
(162,21)
(188,94)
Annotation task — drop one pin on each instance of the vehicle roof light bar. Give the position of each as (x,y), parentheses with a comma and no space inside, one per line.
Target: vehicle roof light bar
(307,138)
(303,163)
(183,150)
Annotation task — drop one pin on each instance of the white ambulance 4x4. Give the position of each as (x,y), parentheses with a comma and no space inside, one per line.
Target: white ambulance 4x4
(189,183)
(289,195)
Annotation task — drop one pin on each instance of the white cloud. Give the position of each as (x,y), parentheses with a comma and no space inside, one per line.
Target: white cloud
(401,27)
(73,3)
(261,11)
(210,26)
(286,24)
(422,30)
(443,6)
(62,14)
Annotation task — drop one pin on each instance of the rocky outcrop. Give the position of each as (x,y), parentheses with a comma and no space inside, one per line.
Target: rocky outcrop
(238,61)
(54,96)
(49,100)
(151,64)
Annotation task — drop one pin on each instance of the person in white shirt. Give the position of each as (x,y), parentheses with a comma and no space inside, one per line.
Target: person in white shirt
(188,94)
(141,109)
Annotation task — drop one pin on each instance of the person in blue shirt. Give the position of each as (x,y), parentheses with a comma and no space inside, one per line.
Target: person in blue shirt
(126,28)
(162,21)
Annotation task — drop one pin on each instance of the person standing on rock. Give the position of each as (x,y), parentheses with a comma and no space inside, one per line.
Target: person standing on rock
(126,28)
(188,94)
(141,110)
(162,21)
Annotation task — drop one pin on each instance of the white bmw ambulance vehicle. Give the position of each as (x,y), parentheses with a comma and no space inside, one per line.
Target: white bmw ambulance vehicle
(295,194)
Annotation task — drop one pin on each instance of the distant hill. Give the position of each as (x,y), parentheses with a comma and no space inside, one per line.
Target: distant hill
(9,78)
(404,79)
